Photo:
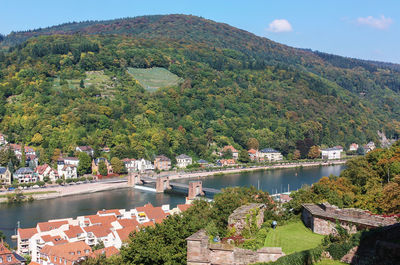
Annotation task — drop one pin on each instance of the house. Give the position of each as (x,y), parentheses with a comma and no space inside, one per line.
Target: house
(65,254)
(130,164)
(87,149)
(227,148)
(144,165)
(203,163)
(162,162)
(269,154)
(353,147)
(5,176)
(25,175)
(23,240)
(8,257)
(332,153)
(253,154)
(226,162)
(3,139)
(67,167)
(95,165)
(369,147)
(17,150)
(105,149)
(183,161)
(46,171)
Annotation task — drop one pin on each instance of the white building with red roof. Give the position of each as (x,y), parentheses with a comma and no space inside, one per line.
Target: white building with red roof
(46,171)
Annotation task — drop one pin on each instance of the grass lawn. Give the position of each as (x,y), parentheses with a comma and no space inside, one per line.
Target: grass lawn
(31,193)
(329,262)
(293,237)
(153,78)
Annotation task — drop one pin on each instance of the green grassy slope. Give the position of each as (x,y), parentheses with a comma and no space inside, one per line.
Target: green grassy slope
(153,78)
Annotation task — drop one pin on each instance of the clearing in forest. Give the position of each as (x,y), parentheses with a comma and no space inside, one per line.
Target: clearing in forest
(154,78)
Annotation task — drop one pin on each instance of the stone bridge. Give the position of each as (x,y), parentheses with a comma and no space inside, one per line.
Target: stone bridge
(163,183)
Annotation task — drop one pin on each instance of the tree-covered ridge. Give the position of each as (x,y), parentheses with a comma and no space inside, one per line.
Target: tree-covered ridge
(227,97)
(371,182)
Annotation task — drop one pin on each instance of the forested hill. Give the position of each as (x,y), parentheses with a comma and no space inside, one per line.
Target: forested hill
(80,84)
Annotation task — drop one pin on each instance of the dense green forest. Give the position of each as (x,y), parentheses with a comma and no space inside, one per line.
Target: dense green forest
(72,87)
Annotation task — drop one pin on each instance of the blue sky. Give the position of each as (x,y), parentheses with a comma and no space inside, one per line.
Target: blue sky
(364,29)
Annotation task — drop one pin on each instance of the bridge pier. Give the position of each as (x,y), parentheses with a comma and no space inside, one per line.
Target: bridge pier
(134,179)
(162,184)
(195,189)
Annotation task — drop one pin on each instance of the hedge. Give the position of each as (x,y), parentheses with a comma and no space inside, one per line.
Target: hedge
(306,257)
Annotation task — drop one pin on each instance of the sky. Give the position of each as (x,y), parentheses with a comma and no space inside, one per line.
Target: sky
(366,29)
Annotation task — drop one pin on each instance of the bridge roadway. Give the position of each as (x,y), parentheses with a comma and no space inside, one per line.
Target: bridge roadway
(180,185)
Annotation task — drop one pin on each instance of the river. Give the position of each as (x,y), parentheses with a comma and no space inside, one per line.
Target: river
(272,181)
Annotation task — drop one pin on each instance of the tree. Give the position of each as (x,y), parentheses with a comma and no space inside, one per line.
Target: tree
(360,151)
(82,84)
(117,165)
(85,164)
(314,152)
(23,155)
(2,236)
(227,154)
(103,168)
(252,143)
(244,156)
(296,154)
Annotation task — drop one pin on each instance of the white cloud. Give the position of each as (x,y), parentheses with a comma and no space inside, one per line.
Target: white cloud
(280,25)
(377,23)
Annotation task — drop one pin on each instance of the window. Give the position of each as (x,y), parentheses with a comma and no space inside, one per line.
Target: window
(1,260)
(55,259)
(9,258)
(79,252)
(60,260)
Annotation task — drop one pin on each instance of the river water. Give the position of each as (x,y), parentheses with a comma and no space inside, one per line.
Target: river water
(272,181)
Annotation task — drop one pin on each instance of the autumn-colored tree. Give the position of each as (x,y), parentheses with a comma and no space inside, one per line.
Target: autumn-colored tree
(314,152)
(253,143)
(117,165)
(390,200)
(102,168)
(296,154)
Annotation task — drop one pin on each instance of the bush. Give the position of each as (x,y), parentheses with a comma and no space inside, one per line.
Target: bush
(339,249)
(69,180)
(59,181)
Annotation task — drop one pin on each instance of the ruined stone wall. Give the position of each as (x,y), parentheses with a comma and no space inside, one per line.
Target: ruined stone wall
(201,252)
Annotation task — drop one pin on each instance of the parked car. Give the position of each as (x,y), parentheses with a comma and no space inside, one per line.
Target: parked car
(11,188)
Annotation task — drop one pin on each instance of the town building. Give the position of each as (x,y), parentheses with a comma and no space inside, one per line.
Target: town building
(369,147)
(44,171)
(353,147)
(87,149)
(332,153)
(253,154)
(25,175)
(270,155)
(67,168)
(162,162)
(230,148)
(203,163)
(112,227)
(5,176)
(182,161)
(65,254)
(144,165)
(95,165)
(226,162)
(3,139)
(130,164)
(8,257)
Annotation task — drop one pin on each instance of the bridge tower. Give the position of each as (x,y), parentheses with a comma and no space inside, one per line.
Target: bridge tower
(195,189)
(134,178)
(162,184)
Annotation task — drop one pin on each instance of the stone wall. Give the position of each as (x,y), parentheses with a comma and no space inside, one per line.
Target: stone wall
(201,252)
(322,218)
(239,217)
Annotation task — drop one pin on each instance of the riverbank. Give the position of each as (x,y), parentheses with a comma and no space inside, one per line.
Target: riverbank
(70,190)
(259,168)
(62,191)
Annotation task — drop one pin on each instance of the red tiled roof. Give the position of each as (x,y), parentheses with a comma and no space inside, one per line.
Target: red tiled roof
(4,253)
(128,159)
(27,233)
(183,207)
(252,151)
(47,226)
(114,211)
(73,231)
(152,212)
(98,230)
(104,220)
(147,224)
(41,169)
(56,240)
(230,147)
(34,263)
(125,232)
(128,222)
(109,251)
(68,251)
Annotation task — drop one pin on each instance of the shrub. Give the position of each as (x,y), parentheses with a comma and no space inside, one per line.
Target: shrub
(69,180)
(339,249)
